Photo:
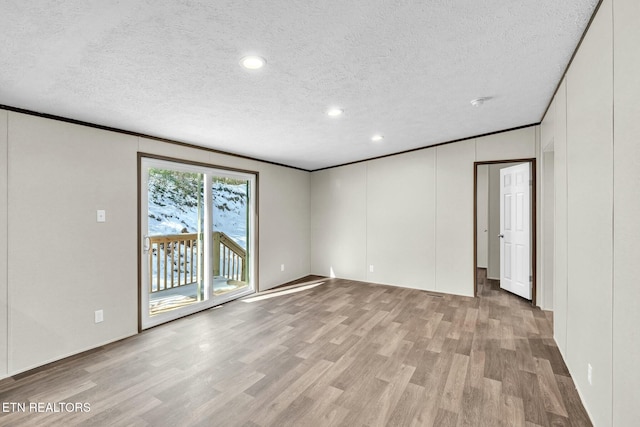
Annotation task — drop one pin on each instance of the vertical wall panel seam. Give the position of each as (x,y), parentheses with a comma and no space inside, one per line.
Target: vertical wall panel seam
(435,225)
(309,245)
(475,219)
(538,216)
(6,273)
(613,206)
(8,294)
(566,216)
(366,222)
(435,217)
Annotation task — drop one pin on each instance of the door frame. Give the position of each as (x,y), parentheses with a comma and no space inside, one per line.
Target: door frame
(534,220)
(255,255)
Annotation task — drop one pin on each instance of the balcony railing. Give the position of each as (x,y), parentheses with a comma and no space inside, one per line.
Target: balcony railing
(229,258)
(174,260)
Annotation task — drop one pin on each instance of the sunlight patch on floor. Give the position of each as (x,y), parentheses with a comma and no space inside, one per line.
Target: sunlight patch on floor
(280,293)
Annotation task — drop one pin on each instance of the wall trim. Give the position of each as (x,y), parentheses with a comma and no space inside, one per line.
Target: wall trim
(140,135)
(241,156)
(566,70)
(426,147)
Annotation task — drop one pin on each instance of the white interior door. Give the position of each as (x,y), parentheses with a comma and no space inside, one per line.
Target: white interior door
(515,237)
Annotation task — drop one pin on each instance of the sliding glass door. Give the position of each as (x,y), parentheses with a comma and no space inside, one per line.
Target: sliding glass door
(197,227)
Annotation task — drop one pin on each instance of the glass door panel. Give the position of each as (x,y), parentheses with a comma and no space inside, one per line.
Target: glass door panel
(197,245)
(230,235)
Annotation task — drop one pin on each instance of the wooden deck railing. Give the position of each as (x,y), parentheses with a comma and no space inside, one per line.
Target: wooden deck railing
(174,261)
(229,259)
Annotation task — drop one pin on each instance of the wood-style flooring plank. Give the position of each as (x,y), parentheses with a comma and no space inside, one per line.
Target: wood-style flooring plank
(512,411)
(452,396)
(549,387)
(533,399)
(491,410)
(381,410)
(577,414)
(268,412)
(404,412)
(472,407)
(446,418)
(345,353)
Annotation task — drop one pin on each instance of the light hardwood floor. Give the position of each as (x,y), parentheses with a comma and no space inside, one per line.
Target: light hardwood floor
(343,353)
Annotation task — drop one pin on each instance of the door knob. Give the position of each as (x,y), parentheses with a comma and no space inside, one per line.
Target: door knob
(501,236)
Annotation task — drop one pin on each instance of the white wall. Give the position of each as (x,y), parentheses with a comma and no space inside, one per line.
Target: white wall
(547,212)
(626,176)
(558,113)
(594,121)
(62,265)
(493,255)
(425,240)
(284,224)
(546,209)
(517,144)
(482,209)
(590,215)
(401,216)
(338,222)
(454,218)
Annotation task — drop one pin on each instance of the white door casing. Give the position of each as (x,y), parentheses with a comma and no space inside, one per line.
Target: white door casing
(515,228)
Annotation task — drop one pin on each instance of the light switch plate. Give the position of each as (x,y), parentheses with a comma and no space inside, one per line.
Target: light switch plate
(101,215)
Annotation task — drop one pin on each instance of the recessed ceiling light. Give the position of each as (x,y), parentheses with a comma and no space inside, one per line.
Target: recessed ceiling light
(377,138)
(479,101)
(335,112)
(253,62)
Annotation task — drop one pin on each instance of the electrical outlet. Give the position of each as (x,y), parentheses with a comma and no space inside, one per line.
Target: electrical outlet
(590,373)
(99,316)
(101,215)
(371,268)
(281,267)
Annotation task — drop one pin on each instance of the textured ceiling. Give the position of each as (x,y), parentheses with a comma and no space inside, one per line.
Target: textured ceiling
(403,68)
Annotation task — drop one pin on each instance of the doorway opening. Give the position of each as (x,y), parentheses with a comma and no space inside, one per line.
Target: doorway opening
(197,245)
(505,226)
